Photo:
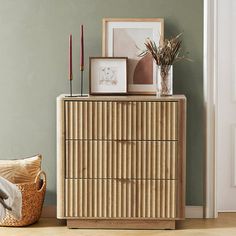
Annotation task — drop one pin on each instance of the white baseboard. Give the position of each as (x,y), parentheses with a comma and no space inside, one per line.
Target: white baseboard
(226,211)
(190,211)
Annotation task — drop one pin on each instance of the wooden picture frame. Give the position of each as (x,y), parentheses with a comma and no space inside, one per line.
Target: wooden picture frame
(108,75)
(126,37)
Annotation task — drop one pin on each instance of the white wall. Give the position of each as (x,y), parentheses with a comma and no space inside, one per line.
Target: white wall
(226,106)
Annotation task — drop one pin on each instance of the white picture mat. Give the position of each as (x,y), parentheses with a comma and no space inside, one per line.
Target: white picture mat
(119,65)
(156,34)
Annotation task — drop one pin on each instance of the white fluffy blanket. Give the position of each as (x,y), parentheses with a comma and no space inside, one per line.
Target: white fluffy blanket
(14,200)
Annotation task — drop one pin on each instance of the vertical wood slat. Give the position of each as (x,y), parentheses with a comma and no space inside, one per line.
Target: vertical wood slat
(143,121)
(124,127)
(67,161)
(110,121)
(148,120)
(99,198)
(66,198)
(76,163)
(163,120)
(110,162)
(100,122)
(154,121)
(75,199)
(115,121)
(175,121)
(71,121)
(134,121)
(143,160)
(119,121)
(129,121)
(90,120)
(95,120)
(139,114)
(158,120)
(81,160)
(98,195)
(104,120)
(100,155)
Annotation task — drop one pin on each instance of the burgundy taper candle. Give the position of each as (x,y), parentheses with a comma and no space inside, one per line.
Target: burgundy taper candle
(70,57)
(81,47)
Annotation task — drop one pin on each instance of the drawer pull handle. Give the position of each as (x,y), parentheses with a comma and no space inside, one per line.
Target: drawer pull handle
(127,141)
(124,180)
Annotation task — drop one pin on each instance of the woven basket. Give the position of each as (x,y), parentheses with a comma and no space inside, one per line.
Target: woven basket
(32,202)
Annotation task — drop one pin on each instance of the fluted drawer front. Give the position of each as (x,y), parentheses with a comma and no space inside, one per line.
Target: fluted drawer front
(123,120)
(121,159)
(93,198)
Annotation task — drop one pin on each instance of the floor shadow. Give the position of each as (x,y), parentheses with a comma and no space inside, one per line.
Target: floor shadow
(48,222)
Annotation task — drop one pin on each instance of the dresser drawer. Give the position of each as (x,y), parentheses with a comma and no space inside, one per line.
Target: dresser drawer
(121,159)
(99,198)
(123,120)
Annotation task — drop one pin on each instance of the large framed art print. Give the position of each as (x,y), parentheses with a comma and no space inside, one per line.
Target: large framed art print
(126,38)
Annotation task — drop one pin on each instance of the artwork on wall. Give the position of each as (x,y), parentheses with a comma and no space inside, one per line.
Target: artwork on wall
(108,75)
(125,38)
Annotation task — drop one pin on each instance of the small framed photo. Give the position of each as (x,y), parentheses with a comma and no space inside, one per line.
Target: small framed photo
(108,75)
(126,38)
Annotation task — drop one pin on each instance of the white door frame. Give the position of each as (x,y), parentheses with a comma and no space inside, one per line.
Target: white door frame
(210,104)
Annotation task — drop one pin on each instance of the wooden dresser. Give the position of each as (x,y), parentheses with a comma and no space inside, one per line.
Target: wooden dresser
(121,161)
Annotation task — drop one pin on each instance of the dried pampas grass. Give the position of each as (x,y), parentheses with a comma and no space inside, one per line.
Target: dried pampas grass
(167,53)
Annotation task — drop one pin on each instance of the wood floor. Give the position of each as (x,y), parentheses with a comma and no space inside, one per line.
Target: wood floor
(224,225)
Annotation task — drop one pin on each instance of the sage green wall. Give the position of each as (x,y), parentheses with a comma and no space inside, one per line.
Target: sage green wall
(33,71)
